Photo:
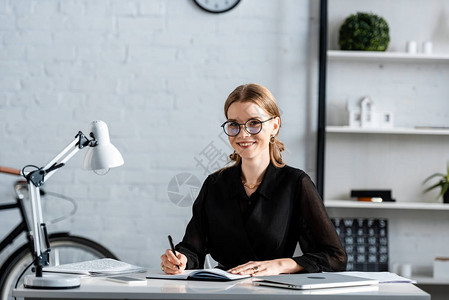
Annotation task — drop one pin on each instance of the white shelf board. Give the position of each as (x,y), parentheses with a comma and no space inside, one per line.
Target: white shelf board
(415,131)
(386,205)
(378,56)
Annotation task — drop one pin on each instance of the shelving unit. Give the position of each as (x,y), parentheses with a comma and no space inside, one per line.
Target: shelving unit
(397,81)
(386,205)
(328,55)
(385,56)
(414,88)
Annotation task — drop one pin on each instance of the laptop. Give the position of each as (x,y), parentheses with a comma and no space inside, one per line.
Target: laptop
(312,281)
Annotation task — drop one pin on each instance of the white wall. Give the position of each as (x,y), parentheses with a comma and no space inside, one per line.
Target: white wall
(158,72)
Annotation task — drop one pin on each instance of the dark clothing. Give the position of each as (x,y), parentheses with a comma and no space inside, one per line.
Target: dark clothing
(284,210)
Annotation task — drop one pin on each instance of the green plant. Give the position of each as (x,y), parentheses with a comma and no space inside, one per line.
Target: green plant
(443,182)
(364,31)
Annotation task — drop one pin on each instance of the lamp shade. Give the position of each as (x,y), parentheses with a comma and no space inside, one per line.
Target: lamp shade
(103,155)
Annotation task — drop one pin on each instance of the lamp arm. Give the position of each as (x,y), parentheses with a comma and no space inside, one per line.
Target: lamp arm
(35,180)
(38,177)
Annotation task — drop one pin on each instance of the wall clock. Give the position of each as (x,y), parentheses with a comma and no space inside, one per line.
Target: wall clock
(217,6)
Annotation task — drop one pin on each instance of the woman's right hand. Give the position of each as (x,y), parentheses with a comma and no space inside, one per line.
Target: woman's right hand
(170,262)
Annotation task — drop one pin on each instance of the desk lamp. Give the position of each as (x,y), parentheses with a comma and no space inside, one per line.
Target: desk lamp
(100,157)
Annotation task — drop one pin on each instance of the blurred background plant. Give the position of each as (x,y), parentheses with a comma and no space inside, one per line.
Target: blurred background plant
(443,183)
(365,32)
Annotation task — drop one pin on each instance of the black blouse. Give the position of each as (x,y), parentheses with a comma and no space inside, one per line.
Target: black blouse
(284,210)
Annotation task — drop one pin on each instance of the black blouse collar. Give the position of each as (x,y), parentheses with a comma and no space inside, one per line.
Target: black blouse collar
(266,186)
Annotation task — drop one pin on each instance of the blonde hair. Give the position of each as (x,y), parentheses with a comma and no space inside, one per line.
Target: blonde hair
(263,98)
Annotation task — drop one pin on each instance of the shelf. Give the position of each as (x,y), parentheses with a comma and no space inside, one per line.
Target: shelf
(375,56)
(386,205)
(415,131)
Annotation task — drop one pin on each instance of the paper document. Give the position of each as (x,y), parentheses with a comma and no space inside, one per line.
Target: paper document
(199,274)
(103,266)
(383,277)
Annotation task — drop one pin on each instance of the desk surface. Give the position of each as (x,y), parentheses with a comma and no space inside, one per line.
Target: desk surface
(100,288)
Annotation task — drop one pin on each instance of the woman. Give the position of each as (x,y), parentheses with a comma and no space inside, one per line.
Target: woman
(251,216)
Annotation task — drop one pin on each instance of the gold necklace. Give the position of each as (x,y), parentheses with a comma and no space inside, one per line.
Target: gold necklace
(250,186)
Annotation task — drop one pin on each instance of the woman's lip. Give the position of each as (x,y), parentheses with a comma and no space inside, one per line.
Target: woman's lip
(246,144)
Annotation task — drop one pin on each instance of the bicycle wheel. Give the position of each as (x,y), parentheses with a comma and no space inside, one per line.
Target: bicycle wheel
(64,249)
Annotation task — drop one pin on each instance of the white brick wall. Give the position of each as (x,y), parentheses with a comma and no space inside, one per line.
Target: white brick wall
(158,73)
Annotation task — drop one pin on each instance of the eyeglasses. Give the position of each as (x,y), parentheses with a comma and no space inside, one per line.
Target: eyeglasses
(252,126)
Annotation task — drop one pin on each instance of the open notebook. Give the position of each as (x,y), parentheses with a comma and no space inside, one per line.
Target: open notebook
(199,274)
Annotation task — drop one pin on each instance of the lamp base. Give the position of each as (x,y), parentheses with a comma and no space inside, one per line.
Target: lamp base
(52,281)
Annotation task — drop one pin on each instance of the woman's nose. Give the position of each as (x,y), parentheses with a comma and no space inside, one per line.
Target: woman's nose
(243,131)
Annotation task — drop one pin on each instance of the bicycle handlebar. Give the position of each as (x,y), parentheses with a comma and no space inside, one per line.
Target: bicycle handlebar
(10,171)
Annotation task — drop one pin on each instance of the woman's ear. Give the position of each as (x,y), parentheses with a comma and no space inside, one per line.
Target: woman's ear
(276,126)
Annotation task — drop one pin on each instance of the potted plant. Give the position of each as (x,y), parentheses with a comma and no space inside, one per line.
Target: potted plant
(364,32)
(443,183)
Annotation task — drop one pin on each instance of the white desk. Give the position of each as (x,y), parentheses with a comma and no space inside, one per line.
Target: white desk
(100,288)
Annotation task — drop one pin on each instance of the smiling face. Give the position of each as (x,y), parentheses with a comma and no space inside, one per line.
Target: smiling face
(252,147)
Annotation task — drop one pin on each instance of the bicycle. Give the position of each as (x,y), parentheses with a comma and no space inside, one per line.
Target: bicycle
(65,248)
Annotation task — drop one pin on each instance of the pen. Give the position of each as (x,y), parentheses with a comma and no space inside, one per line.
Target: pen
(170,240)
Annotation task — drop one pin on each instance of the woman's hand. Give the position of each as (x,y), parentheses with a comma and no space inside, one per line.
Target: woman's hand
(267,267)
(170,262)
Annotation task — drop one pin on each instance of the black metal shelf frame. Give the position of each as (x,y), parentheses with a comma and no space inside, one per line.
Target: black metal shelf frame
(321,130)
